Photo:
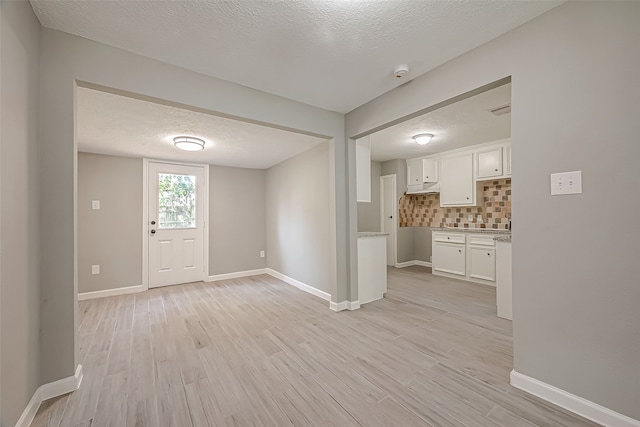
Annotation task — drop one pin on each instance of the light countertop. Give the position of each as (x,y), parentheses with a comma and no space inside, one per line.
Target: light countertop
(506,238)
(473,230)
(372,234)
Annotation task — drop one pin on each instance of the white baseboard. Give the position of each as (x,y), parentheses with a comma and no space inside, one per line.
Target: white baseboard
(111,292)
(344,305)
(410,263)
(302,286)
(236,275)
(48,391)
(571,402)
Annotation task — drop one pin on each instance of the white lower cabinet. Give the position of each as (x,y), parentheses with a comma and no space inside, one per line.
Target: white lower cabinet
(467,256)
(482,263)
(449,258)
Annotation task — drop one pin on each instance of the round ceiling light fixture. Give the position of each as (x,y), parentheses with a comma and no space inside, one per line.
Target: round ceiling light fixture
(188,143)
(423,138)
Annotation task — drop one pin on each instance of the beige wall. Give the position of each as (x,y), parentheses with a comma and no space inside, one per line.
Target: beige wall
(19,213)
(111,236)
(298,209)
(237,219)
(575,93)
(369,213)
(66,59)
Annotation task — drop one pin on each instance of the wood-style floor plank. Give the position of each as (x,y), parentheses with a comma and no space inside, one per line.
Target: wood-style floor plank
(255,351)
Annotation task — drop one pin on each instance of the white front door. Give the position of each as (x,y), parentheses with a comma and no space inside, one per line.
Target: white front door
(175,223)
(389,213)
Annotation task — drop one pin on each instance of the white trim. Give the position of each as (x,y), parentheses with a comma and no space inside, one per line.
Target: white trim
(344,305)
(302,286)
(414,262)
(571,402)
(48,391)
(353,305)
(236,274)
(145,218)
(111,292)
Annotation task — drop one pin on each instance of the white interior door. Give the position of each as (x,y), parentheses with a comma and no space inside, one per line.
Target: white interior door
(175,223)
(389,212)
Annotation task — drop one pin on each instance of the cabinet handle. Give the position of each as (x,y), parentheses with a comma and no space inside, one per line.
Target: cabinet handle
(448,238)
(460,250)
(467,198)
(496,170)
(489,253)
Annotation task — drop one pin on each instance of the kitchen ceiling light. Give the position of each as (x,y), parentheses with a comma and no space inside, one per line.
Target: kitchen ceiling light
(423,138)
(188,143)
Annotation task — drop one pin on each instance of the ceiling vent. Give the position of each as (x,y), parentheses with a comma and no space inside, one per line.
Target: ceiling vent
(501,111)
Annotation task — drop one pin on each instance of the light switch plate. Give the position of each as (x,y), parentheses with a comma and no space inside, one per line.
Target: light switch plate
(95,204)
(95,269)
(566,183)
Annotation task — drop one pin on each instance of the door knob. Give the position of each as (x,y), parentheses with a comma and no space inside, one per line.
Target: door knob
(153,223)
(391,217)
(153,231)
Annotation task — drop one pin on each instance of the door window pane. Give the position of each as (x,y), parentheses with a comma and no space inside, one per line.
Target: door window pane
(176,201)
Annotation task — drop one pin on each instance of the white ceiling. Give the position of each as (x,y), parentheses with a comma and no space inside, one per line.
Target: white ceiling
(457,125)
(122,126)
(333,54)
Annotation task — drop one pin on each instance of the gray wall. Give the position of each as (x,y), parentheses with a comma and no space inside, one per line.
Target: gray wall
(369,213)
(422,243)
(112,235)
(298,209)
(575,77)
(405,238)
(20,192)
(66,59)
(237,219)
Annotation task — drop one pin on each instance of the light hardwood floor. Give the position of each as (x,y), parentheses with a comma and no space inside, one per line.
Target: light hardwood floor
(256,351)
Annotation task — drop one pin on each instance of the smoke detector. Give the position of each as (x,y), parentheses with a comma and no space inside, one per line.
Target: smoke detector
(401,71)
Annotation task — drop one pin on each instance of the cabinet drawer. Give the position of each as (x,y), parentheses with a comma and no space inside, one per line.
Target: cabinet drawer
(482,240)
(449,237)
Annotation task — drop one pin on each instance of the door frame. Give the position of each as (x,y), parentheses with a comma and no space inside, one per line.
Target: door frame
(394,240)
(145,215)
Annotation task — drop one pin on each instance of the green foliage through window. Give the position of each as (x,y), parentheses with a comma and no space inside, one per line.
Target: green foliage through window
(176,201)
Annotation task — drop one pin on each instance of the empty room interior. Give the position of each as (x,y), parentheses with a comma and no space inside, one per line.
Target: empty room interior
(332,212)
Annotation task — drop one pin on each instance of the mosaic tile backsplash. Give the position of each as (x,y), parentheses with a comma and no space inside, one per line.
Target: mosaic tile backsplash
(423,210)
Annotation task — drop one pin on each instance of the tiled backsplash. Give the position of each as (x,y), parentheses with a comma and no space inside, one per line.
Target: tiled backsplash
(423,210)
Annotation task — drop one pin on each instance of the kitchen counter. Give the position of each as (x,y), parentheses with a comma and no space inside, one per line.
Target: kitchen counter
(372,234)
(505,238)
(473,230)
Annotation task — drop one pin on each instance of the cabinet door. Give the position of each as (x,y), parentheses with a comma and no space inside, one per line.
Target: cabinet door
(489,163)
(449,258)
(507,161)
(414,172)
(482,263)
(457,186)
(429,170)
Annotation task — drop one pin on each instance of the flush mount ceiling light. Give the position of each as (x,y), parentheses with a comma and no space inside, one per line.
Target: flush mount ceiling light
(423,138)
(188,143)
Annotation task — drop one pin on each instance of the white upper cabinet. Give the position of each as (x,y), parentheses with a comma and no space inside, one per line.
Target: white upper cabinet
(507,160)
(489,164)
(414,172)
(429,170)
(457,183)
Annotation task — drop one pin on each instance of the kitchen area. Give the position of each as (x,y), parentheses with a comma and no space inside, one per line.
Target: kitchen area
(449,209)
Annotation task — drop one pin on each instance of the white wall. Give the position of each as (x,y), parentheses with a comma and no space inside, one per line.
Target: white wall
(575,95)
(237,219)
(19,213)
(298,210)
(66,59)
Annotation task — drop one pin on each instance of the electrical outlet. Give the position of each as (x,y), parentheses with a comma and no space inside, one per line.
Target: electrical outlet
(479,219)
(566,183)
(430,258)
(95,269)
(470,217)
(261,254)
(95,204)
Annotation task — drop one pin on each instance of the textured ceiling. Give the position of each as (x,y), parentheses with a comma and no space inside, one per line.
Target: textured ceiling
(122,126)
(333,54)
(461,124)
